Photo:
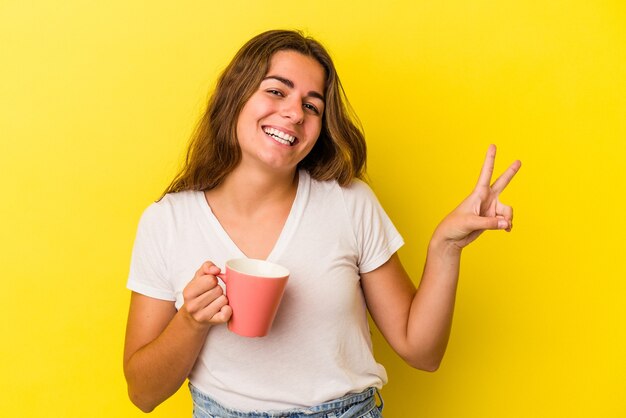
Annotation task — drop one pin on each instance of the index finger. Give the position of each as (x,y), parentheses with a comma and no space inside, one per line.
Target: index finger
(487,171)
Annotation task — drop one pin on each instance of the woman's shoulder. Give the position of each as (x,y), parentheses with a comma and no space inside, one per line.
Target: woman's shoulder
(356,194)
(356,187)
(173,205)
(180,198)
(358,190)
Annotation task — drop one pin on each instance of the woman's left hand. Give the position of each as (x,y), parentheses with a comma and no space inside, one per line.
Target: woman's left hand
(482,209)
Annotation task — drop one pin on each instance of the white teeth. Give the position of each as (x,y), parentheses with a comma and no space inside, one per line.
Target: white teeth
(280,136)
(282,141)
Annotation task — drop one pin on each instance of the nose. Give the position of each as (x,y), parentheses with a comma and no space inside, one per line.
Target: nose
(292,109)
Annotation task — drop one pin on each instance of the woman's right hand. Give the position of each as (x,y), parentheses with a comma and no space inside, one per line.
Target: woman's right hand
(204,300)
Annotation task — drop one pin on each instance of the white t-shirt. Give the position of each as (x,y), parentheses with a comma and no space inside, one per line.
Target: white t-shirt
(319,347)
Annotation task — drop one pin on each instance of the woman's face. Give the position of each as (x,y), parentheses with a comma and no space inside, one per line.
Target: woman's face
(282,120)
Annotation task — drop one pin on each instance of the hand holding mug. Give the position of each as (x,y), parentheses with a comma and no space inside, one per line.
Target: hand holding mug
(204,299)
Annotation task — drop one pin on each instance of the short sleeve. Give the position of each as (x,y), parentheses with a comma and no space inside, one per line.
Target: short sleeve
(149,267)
(376,236)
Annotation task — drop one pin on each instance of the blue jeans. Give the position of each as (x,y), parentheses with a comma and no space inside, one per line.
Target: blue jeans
(354,405)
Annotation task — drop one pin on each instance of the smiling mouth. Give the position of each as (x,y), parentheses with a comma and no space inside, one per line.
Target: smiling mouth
(280,136)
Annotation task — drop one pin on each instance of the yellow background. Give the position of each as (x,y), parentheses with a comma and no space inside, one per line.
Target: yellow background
(97,101)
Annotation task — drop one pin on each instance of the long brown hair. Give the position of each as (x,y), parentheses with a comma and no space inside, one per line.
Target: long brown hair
(213,152)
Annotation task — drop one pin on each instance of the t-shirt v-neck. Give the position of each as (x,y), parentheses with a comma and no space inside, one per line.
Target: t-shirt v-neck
(290,226)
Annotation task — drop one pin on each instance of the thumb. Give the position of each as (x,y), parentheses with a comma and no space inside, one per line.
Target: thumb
(488,222)
(207,268)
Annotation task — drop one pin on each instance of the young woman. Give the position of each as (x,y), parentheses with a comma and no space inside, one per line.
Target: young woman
(273,172)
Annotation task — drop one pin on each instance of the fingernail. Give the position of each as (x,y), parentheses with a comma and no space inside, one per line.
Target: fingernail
(502,224)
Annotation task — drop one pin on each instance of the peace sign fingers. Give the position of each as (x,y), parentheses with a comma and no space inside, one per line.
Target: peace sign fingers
(484,181)
(482,209)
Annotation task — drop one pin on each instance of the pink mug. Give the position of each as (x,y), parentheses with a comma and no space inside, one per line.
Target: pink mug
(254,289)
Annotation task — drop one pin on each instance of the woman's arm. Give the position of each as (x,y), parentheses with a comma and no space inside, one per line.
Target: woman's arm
(162,344)
(417,323)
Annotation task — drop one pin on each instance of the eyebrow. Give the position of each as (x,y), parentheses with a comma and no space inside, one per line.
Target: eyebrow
(290,84)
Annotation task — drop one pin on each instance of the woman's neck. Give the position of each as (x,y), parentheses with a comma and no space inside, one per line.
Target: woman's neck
(244,190)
